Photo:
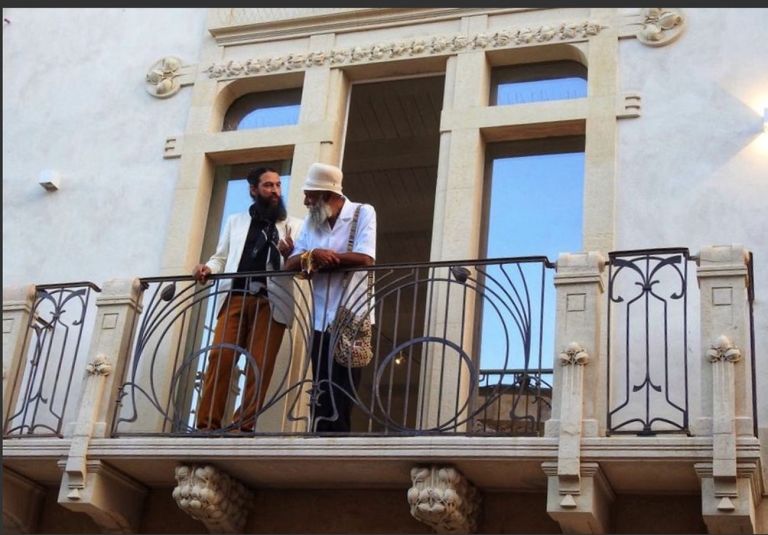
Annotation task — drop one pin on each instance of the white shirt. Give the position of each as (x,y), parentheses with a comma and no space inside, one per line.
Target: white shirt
(327,287)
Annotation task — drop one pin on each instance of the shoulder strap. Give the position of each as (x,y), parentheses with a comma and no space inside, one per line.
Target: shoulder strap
(353,229)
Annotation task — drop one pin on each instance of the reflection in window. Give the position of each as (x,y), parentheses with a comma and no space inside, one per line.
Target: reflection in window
(260,110)
(534,197)
(536,82)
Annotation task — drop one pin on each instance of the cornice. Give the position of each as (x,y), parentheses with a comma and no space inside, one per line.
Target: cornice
(251,25)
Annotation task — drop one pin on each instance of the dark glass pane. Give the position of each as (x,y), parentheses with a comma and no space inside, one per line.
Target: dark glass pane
(536,82)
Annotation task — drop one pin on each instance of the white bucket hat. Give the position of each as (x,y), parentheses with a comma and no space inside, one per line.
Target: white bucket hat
(323,177)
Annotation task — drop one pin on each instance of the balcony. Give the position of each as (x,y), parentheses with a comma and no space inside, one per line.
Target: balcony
(519,374)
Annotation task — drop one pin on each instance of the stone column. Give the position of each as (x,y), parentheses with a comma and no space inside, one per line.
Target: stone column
(17,305)
(112,499)
(578,496)
(455,233)
(729,486)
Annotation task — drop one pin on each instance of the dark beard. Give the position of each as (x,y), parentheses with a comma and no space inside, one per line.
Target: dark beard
(263,209)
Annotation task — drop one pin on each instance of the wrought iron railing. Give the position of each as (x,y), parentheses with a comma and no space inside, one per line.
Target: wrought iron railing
(45,383)
(458,347)
(648,341)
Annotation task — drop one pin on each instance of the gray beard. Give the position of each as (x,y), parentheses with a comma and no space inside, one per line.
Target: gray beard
(319,214)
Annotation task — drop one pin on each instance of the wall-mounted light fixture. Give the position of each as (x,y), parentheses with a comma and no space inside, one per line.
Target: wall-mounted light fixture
(49,179)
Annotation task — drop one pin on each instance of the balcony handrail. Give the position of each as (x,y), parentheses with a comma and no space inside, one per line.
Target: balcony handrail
(375,267)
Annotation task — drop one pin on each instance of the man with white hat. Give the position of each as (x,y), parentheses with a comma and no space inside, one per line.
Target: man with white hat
(323,246)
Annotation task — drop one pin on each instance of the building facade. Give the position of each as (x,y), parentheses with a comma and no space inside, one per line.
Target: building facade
(569,281)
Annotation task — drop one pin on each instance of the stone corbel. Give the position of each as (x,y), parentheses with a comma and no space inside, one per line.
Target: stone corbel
(729,504)
(213,497)
(167,76)
(113,500)
(579,505)
(444,499)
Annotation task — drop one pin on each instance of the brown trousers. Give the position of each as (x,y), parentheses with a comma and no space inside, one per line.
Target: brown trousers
(245,321)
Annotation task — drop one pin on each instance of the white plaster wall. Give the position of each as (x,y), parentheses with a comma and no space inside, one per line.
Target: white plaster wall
(74,101)
(693,169)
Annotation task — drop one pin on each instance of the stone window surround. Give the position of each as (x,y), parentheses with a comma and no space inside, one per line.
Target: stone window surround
(467,122)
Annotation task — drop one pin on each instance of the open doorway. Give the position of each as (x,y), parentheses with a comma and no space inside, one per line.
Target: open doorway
(390,160)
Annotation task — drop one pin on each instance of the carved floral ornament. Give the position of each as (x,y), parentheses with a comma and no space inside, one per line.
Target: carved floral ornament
(99,366)
(723,350)
(574,354)
(442,498)
(213,497)
(411,48)
(162,78)
(661,26)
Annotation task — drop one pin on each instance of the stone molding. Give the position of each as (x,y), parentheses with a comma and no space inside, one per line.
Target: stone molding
(574,354)
(166,77)
(444,499)
(213,497)
(436,45)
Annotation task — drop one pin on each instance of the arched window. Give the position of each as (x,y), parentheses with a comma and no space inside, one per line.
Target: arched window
(536,82)
(264,109)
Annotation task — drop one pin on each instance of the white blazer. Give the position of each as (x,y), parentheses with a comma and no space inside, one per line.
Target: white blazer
(226,259)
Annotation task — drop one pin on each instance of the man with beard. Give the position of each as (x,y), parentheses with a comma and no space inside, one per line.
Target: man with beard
(255,310)
(323,246)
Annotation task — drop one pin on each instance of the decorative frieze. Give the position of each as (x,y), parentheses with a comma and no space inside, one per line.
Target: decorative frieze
(411,48)
(442,498)
(660,26)
(213,497)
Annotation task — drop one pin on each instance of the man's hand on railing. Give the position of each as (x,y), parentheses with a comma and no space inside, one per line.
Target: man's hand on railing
(325,258)
(201,273)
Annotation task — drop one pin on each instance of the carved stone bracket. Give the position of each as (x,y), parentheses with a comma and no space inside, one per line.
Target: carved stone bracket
(723,350)
(99,366)
(660,26)
(411,48)
(574,354)
(167,75)
(442,498)
(213,497)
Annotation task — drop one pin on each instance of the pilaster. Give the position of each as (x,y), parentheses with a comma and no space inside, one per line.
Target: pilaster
(88,485)
(578,496)
(17,305)
(731,490)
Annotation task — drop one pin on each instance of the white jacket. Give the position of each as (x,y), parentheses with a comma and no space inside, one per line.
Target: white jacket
(226,259)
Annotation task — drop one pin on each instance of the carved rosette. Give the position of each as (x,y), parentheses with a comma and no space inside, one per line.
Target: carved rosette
(213,497)
(162,78)
(574,354)
(661,26)
(99,366)
(410,48)
(442,498)
(723,350)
